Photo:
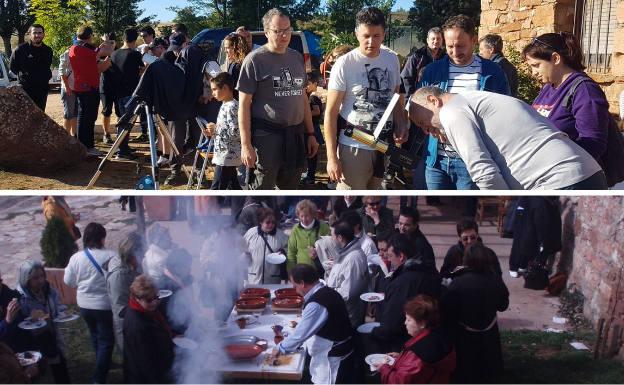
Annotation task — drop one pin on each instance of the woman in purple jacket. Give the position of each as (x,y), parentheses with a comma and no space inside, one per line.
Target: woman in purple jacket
(557,60)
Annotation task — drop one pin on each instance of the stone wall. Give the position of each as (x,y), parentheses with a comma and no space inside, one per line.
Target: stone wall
(594,242)
(518,21)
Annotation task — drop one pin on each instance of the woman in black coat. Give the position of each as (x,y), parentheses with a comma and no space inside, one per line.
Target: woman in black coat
(469,310)
(148,347)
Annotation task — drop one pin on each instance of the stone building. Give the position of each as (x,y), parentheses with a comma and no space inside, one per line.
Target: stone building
(599,24)
(593,255)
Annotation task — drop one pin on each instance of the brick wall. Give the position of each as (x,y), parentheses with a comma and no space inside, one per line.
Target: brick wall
(518,21)
(594,243)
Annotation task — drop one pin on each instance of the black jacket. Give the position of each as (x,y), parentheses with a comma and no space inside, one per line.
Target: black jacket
(455,255)
(32,65)
(510,71)
(386,221)
(414,64)
(537,225)
(407,281)
(148,350)
(424,251)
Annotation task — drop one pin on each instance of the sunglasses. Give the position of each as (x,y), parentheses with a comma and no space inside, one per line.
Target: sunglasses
(377,203)
(536,40)
(470,238)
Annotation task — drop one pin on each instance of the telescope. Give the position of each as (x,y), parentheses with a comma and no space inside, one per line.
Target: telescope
(399,158)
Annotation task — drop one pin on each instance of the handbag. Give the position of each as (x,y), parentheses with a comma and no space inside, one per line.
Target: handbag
(536,277)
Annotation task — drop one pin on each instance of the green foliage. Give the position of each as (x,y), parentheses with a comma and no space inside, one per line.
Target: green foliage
(329,41)
(426,14)
(114,15)
(15,19)
(233,13)
(342,13)
(528,86)
(57,244)
(188,17)
(165,30)
(60,19)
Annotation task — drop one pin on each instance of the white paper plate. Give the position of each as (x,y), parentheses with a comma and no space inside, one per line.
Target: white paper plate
(164,293)
(367,327)
(378,359)
(276,258)
(35,357)
(372,297)
(185,343)
(251,319)
(66,318)
(27,324)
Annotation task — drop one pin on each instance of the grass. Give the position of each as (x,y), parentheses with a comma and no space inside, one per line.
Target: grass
(531,357)
(538,357)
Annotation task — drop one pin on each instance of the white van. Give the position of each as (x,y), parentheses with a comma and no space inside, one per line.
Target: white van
(6,78)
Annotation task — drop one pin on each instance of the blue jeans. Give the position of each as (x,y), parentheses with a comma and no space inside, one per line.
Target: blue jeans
(418,176)
(100,324)
(449,174)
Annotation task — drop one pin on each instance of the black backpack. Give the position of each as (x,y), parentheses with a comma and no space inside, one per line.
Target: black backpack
(612,161)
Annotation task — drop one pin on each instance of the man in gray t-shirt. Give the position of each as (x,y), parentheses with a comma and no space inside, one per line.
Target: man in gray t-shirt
(274,114)
(505,143)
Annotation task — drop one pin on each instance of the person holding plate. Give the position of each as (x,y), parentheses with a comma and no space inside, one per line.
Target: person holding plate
(261,241)
(9,314)
(427,357)
(148,340)
(40,300)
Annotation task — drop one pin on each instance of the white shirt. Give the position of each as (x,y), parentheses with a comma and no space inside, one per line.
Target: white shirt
(369,84)
(91,284)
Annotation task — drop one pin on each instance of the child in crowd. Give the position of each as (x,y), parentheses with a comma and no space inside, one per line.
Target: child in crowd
(227,141)
(316,105)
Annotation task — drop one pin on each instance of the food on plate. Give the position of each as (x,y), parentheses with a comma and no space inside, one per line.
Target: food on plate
(287,292)
(241,322)
(288,302)
(243,352)
(374,298)
(293,324)
(254,292)
(37,314)
(251,303)
(281,360)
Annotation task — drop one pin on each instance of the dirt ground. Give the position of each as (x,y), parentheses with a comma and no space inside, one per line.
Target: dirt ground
(116,174)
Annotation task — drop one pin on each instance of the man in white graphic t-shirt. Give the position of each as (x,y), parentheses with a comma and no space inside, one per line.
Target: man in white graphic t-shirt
(361,85)
(460,71)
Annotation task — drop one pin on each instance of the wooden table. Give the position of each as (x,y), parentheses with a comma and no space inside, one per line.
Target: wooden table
(255,369)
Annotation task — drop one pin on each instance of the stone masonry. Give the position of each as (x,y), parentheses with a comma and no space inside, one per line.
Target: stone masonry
(594,243)
(518,21)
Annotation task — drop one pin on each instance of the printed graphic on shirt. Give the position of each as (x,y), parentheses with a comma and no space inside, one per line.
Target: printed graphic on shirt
(287,85)
(543,109)
(372,98)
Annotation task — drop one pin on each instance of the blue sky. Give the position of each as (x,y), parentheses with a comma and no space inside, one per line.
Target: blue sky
(159,7)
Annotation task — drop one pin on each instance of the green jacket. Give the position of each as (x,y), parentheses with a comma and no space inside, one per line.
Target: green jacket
(299,241)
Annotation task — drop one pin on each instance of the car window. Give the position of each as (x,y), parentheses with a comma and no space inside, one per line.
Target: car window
(295,41)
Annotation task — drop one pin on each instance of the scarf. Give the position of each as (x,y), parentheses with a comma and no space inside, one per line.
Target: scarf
(156,315)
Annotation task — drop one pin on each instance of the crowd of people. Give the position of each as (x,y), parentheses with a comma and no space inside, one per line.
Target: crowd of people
(438,323)
(265,115)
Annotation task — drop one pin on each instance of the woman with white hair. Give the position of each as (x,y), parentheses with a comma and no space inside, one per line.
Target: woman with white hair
(305,234)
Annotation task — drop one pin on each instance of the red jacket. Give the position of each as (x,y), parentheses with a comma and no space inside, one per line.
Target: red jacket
(83,59)
(425,359)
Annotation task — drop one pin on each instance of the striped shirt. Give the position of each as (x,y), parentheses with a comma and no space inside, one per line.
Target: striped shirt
(461,79)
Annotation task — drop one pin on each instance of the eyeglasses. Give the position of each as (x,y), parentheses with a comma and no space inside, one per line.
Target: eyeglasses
(469,238)
(281,32)
(376,203)
(536,40)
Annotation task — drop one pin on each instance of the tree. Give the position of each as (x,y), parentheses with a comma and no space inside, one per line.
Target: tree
(15,19)
(61,19)
(189,17)
(57,244)
(426,14)
(342,12)
(114,15)
(233,13)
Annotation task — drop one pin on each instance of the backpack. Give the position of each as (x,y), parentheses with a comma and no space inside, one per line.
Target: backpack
(612,161)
